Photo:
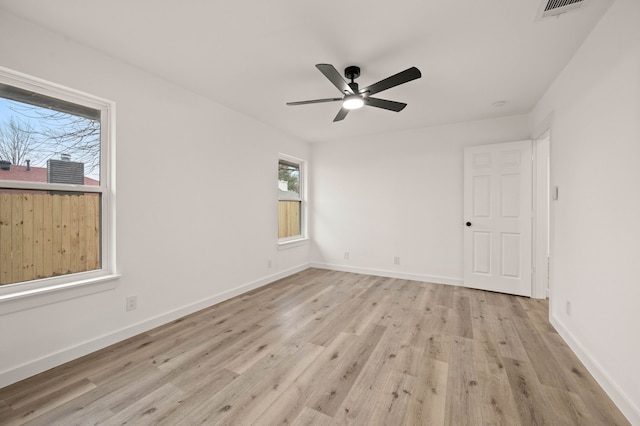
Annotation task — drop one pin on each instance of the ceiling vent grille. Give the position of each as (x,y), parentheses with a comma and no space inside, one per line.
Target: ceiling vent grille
(550,8)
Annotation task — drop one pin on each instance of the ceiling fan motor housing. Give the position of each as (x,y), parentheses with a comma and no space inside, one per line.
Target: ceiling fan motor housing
(352,72)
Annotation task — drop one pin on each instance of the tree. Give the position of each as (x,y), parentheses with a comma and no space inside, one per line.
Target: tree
(74,135)
(289,173)
(54,133)
(17,141)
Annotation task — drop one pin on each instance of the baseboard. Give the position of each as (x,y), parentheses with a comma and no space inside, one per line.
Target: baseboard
(617,395)
(47,362)
(390,274)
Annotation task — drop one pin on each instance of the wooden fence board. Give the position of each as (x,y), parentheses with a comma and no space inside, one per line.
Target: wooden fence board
(56,237)
(27,237)
(81,257)
(93,232)
(16,233)
(74,236)
(44,235)
(65,225)
(288,218)
(38,236)
(47,237)
(5,239)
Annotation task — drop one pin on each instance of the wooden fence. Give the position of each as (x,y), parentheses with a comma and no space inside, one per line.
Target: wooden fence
(288,218)
(44,235)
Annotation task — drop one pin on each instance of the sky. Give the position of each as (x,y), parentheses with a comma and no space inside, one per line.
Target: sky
(45,149)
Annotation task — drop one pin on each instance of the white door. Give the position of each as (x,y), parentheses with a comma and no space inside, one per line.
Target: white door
(497,214)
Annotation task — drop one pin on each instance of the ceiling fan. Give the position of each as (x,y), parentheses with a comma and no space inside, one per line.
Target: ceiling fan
(354,97)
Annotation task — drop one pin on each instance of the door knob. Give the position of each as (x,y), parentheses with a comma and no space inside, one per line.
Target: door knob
(468,224)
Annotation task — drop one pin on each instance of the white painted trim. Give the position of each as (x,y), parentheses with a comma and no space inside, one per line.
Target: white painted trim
(302,190)
(26,297)
(540,231)
(287,244)
(37,186)
(44,363)
(389,274)
(69,283)
(39,85)
(626,405)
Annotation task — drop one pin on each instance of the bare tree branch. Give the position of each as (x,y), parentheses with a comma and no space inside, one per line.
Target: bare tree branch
(17,141)
(62,133)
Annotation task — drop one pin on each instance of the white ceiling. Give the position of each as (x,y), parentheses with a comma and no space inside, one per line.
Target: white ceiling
(254,56)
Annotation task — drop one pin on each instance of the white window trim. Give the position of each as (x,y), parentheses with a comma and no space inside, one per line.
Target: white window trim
(297,240)
(292,243)
(24,295)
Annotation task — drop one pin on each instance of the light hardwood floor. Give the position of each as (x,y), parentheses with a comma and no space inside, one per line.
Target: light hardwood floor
(329,348)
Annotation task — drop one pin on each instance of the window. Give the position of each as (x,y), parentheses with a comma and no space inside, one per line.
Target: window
(55,186)
(291,224)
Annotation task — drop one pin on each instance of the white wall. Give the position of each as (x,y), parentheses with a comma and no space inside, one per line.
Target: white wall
(595,155)
(398,195)
(196,204)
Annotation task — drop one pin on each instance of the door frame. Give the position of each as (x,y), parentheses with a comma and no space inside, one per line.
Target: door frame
(541,222)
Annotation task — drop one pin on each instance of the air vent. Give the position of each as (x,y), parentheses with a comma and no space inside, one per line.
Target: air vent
(550,8)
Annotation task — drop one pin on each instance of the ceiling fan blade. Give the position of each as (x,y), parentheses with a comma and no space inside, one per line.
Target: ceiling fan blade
(314,101)
(395,80)
(341,114)
(334,76)
(385,104)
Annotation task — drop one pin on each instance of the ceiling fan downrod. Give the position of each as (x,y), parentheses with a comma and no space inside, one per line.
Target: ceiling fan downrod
(352,72)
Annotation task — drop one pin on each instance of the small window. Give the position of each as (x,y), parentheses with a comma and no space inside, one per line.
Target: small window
(55,215)
(290,199)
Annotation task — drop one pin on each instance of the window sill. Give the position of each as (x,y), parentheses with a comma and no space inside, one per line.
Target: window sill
(21,300)
(284,245)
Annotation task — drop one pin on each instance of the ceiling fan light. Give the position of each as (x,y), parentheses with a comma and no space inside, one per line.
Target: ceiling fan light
(352,102)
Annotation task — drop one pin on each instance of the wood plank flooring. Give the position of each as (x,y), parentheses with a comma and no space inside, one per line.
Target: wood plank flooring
(329,348)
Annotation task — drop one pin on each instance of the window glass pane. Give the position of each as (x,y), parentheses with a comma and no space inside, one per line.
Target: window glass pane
(47,140)
(290,203)
(289,218)
(48,233)
(288,180)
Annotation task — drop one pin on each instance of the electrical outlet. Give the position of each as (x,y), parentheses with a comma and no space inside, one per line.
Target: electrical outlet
(568,308)
(269,263)
(132,303)
(346,255)
(396,260)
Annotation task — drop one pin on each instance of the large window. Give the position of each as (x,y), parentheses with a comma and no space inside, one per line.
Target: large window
(291,224)
(55,192)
